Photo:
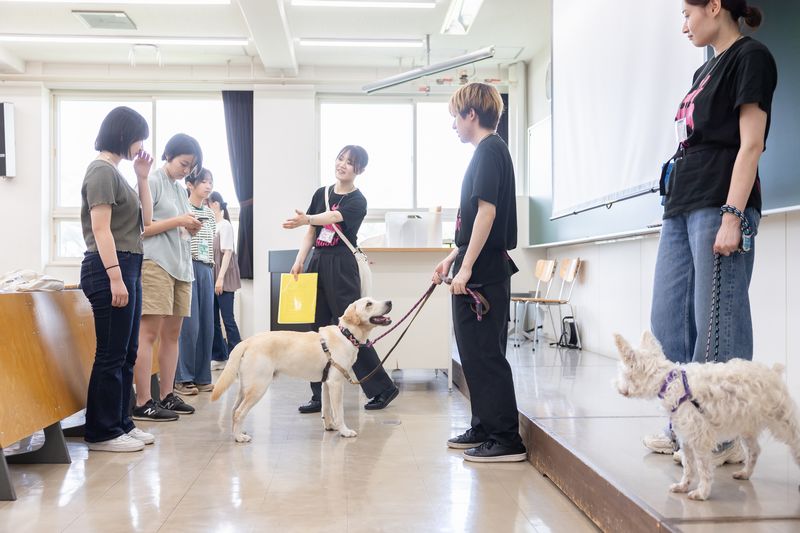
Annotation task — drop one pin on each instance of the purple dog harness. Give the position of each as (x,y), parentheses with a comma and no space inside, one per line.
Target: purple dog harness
(687,392)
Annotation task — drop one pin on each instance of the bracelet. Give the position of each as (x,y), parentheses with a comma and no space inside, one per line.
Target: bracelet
(112,266)
(747,231)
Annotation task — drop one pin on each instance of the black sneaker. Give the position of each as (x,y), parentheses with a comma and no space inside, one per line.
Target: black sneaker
(469,439)
(153,412)
(173,402)
(492,451)
(313,406)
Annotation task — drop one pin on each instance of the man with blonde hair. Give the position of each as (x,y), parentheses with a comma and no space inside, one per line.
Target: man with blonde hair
(486,228)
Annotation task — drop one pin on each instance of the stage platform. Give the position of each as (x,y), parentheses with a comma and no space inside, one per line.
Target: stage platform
(588,440)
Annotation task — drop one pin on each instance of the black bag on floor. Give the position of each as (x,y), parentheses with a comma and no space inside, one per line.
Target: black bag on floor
(569,333)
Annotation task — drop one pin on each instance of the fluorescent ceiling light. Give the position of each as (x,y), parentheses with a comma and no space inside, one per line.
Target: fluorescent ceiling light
(430,4)
(364,43)
(100,39)
(460,16)
(136,2)
(455,62)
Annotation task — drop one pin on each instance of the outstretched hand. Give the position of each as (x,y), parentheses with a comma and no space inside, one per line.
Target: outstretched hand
(299,219)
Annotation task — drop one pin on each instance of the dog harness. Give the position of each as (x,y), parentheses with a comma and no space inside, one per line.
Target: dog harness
(331,363)
(687,392)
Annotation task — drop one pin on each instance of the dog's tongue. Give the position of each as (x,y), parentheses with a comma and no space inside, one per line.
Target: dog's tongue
(381,320)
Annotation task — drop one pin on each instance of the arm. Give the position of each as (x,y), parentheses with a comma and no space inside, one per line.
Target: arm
(320,219)
(444,267)
(302,253)
(752,128)
(141,165)
(106,247)
(480,232)
(223,268)
(160,226)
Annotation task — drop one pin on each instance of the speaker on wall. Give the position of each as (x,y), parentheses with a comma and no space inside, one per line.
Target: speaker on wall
(8,167)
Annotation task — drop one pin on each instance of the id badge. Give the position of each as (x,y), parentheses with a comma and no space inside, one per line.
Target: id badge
(681,130)
(202,251)
(326,235)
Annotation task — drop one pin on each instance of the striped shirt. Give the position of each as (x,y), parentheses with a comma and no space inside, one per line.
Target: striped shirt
(203,240)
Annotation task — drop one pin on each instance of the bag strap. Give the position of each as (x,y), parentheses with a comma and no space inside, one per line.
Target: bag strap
(336,226)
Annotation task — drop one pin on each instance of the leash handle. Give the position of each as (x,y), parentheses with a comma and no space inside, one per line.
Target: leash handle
(747,230)
(480,304)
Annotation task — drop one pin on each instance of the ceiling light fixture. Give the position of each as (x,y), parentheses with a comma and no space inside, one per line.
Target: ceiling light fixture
(460,16)
(366,3)
(100,39)
(460,61)
(136,2)
(364,43)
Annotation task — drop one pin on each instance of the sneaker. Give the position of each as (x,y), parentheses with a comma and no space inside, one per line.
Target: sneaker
(492,451)
(660,443)
(217,365)
(153,412)
(143,436)
(730,452)
(123,443)
(186,389)
(175,403)
(469,439)
(204,387)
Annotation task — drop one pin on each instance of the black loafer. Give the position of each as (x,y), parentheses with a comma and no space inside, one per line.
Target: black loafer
(383,399)
(313,406)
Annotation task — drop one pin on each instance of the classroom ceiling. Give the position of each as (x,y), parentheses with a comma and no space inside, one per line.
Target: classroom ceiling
(272,28)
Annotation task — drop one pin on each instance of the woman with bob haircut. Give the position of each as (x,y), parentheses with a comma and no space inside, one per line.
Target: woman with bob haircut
(166,279)
(712,196)
(338,281)
(113,217)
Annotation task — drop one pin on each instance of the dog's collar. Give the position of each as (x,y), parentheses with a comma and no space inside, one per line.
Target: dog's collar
(352,338)
(687,392)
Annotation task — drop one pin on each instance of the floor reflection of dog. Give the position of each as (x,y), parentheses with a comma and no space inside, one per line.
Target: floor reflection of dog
(711,403)
(261,357)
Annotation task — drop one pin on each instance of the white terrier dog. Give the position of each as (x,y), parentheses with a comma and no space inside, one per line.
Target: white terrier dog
(711,403)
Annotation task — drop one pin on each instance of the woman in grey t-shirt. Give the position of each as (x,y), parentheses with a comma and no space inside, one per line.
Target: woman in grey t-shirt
(113,217)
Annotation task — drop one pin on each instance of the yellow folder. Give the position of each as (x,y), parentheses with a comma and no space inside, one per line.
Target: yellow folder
(298,299)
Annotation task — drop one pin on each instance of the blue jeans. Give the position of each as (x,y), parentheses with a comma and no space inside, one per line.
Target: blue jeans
(682,290)
(117,329)
(197,331)
(223,304)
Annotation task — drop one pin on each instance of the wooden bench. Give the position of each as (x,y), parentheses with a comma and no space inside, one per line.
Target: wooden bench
(46,355)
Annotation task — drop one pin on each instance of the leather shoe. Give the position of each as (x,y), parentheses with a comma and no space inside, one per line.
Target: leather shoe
(383,399)
(313,406)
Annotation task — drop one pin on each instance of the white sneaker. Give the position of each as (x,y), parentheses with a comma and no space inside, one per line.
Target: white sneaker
(145,437)
(732,454)
(217,365)
(123,443)
(659,443)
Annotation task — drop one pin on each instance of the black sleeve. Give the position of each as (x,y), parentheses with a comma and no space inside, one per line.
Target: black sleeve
(755,79)
(353,209)
(317,202)
(486,184)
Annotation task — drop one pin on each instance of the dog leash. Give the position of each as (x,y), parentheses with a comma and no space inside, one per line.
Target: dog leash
(713,319)
(480,305)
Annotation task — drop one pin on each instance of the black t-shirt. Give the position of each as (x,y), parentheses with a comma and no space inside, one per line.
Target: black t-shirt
(744,74)
(489,177)
(352,206)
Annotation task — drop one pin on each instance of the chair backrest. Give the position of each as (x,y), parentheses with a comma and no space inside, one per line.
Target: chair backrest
(545,269)
(568,274)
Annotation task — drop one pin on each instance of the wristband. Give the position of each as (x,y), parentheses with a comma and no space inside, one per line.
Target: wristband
(112,266)
(747,231)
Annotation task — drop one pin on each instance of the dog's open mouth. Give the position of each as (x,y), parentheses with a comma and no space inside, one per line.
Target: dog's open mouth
(382,320)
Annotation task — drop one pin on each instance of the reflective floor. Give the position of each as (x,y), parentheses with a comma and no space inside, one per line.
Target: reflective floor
(570,394)
(397,475)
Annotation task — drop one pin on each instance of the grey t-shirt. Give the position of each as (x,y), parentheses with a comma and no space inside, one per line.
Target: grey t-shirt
(104,185)
(172,248)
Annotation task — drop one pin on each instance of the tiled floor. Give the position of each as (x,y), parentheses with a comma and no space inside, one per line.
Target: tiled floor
(396,475)
(570,394)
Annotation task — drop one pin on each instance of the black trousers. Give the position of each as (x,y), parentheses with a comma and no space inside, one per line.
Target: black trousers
(482,348)
(338,285)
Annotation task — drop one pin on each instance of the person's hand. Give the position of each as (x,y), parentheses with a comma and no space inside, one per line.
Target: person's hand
(296,270)
(459,284)
(119,293)
(142,164)
(218,287)
(441,270)
(188,221)
(729,235)
(299,219)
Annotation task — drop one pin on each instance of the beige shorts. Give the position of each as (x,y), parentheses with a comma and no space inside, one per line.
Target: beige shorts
(162,294)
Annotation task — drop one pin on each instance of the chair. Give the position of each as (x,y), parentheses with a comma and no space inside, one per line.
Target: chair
(545,269)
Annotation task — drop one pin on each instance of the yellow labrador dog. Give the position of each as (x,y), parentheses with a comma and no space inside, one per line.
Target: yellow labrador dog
(261,357)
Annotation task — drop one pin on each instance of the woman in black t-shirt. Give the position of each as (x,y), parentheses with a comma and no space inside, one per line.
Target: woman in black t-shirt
(338,281)
(713,188)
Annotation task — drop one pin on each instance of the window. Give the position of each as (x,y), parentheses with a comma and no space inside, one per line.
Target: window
(77,121)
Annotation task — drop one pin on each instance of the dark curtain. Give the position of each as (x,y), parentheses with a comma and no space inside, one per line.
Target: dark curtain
(239,128)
